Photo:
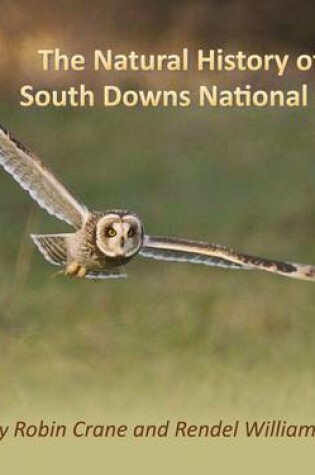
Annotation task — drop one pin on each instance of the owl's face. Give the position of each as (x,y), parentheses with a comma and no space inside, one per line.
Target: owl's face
(119,235)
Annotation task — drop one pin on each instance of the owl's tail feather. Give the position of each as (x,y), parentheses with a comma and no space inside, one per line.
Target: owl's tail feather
(53,247)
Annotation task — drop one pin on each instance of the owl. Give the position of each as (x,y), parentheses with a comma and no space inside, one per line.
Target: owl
(103,242)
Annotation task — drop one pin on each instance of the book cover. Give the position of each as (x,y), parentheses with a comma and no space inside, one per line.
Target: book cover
(156,246)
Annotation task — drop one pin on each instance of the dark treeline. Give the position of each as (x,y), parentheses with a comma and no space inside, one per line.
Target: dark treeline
(158,25)
(285,23)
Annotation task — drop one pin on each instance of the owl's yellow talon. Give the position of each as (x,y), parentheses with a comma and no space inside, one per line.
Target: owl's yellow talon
(73,270)
(82,272)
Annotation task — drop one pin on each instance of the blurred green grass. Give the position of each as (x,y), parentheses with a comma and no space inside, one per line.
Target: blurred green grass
(172,336)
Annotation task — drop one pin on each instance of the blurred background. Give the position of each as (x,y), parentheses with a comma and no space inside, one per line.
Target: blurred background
(147,27)
(181,339)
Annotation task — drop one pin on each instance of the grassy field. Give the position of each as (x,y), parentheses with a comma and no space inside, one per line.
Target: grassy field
(179,338)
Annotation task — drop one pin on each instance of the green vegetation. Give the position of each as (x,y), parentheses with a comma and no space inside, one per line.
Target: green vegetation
(174,336)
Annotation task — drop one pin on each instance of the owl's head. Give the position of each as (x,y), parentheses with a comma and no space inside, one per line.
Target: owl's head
(119,234)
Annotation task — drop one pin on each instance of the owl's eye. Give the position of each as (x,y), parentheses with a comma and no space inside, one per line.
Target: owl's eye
(110,232)
(131,232)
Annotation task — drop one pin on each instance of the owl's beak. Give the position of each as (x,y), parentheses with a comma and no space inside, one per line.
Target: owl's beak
(121,253)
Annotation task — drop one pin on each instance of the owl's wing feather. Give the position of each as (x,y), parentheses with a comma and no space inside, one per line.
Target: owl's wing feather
(41,184)
(172,249)
(105,274)
(179,250)
(53,247)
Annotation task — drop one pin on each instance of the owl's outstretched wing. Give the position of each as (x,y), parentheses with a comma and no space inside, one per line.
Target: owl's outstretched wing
(40,183)
(170,249)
